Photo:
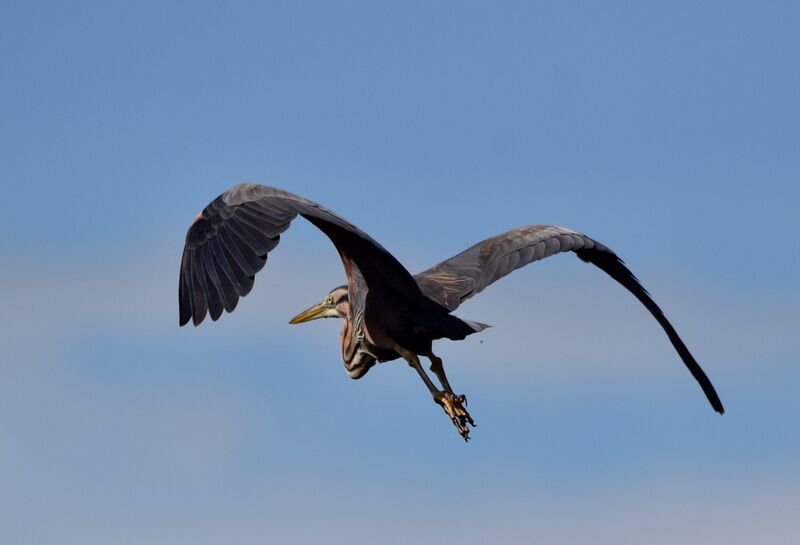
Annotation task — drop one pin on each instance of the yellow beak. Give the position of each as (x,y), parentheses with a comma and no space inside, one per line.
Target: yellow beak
(321,310)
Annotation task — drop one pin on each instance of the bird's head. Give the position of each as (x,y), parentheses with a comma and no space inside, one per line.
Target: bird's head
(334,305)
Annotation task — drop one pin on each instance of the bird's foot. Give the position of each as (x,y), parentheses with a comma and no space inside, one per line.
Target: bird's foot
(453,405)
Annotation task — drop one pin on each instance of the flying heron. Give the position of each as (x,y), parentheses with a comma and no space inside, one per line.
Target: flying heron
(387,312)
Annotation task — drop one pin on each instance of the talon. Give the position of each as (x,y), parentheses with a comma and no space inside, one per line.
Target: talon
(453,407)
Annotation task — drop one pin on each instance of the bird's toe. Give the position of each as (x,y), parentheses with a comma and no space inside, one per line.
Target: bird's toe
(453,406)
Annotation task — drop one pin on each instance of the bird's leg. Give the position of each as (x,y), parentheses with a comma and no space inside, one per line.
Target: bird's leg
(438,369)
(451,403)
(459,400)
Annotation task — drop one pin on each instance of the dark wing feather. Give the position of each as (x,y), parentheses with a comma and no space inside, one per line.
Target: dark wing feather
(453,281)
(228,243)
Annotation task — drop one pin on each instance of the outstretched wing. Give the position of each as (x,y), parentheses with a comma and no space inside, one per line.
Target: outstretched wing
(457,279)
(228,243)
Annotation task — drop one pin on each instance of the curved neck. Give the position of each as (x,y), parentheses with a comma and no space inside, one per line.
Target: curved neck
(350,333)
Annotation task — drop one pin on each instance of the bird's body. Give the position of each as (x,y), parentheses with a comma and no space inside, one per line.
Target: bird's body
(387,312)
(370,337)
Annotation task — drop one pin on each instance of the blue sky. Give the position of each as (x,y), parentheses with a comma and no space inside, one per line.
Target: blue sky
(669,132)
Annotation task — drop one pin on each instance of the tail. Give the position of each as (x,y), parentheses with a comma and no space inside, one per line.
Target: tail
(476,326)
(441,324)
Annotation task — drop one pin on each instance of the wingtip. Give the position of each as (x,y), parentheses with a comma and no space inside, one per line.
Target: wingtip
(184,313)
(716,403)
(711,394)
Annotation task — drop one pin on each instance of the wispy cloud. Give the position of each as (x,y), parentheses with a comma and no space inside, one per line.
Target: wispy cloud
(651,511)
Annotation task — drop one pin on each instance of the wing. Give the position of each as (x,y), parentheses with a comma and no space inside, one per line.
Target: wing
(228,243)
(457,279)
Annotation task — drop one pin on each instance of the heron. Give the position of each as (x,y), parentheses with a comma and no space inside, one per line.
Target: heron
(388,313)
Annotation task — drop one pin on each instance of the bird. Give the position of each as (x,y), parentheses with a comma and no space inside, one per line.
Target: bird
(388,313)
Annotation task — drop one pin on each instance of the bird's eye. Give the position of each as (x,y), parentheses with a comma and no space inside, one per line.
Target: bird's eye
(329,300)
